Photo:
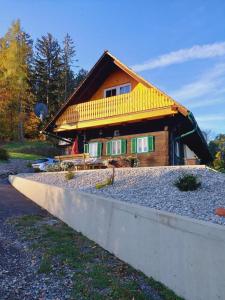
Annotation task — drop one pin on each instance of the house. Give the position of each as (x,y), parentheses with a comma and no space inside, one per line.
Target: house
(115,113)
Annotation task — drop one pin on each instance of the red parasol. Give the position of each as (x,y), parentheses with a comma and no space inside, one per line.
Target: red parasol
(75,146)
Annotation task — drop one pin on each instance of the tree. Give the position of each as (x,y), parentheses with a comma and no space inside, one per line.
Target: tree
(207,134)
(48,70)
(218,145)
(217,148)
(80,76)
(16,50)
(68,55)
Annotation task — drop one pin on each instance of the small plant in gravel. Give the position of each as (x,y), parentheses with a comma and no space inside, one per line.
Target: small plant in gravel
(101,185)
(108,181)
(69,175)
(187,182)
(4,155)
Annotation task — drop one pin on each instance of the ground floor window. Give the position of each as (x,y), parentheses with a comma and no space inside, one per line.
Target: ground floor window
(116,147)
(142,144)
(94,149)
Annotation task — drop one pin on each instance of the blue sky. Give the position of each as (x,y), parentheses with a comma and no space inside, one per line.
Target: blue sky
(177,45)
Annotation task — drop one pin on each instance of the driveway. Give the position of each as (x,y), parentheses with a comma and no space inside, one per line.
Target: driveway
(16,272)
(12,203)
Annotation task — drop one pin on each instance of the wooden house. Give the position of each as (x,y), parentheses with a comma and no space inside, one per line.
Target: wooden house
(115,113)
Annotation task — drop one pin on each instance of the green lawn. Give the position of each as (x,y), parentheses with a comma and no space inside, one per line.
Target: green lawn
(26,156)
(97,273)
(29,149)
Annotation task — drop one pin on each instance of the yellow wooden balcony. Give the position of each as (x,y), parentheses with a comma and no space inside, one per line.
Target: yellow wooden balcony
(137,105)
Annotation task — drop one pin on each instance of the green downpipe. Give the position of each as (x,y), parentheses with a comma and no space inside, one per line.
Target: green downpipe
(190,117)
(195,129)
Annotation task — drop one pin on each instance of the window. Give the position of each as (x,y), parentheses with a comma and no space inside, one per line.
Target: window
(125,89)
(93,149)
(110,92)
(142,144)
(118,90)
(116,147)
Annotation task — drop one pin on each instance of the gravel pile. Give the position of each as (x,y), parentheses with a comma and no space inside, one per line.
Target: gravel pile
(152,187)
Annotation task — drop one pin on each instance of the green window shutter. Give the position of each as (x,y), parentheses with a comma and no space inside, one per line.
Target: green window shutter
(134,145)
(123,146)
(108,148)
(99,153)
(86,148)
(151,143)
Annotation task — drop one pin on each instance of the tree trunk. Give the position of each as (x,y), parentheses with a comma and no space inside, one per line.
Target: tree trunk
(20,122)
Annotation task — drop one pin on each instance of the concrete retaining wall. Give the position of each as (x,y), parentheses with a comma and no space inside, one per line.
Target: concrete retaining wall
(185,254)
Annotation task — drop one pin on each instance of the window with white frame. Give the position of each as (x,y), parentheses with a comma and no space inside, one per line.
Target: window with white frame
(93,149)
(142,144)
(116,147)
(117,90)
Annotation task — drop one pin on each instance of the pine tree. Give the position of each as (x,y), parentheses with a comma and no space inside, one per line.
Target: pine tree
(69,53)
(80,76)
(48,72)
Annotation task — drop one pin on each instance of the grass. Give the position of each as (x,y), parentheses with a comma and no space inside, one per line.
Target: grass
(97,273)
(26,150)
(18,147)
(26,156)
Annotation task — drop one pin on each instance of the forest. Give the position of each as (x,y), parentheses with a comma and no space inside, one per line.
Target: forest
(44,70)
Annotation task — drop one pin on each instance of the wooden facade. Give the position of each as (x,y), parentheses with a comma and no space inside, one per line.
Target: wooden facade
(115,104)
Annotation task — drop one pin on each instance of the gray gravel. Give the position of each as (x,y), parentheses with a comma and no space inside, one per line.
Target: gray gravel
(13,166)
(19,265)
(152,187)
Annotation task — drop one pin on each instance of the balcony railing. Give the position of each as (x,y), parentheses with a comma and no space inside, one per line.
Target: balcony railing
(125,104)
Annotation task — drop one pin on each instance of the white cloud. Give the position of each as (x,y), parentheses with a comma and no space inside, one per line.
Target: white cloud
(203,103)
(182,55)
(210,83)
(210,118)
(215,122)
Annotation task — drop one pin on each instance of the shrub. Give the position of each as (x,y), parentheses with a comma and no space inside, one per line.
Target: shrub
(4,155)
(219,165)
(29,164)
(187,182)
(54,168)
(67,165)
(69,175)
(124,162)
(134,162)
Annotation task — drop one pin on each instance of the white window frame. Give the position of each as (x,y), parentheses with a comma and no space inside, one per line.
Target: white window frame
(93,149)
(117,89)
(118,147)
(141,139)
